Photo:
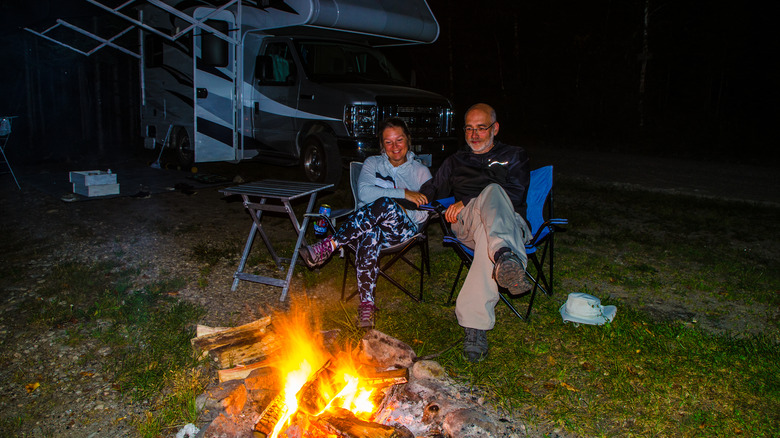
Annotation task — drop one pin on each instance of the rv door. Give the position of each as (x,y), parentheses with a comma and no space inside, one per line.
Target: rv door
(215,133)
(276,77)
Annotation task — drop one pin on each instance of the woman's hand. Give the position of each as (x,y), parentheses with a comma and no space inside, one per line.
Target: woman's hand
(416,197)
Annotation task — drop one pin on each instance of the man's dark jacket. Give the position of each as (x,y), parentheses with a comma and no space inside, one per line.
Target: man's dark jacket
(465,174)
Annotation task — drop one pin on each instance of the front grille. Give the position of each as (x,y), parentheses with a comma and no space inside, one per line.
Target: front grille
(424,122)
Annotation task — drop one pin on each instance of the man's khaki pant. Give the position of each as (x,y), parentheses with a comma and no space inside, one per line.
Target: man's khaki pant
(487,224)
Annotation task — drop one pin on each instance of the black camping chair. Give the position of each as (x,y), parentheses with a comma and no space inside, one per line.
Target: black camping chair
(540,248)
(391,254)
(387,256)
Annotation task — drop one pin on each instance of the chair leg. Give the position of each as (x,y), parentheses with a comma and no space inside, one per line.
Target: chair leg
(455,283)
(425,264)
(512,308)
(552,268)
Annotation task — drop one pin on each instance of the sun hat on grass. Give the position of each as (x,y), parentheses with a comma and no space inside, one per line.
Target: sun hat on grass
(583,308)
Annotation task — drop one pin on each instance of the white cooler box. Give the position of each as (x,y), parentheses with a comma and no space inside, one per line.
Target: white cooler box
(94,183)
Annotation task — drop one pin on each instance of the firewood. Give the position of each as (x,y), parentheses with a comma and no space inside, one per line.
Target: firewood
(203,330)
(241,335)
(270,416)
(242,371)
(386,378)
(310,397)
(250,351)
(344,423)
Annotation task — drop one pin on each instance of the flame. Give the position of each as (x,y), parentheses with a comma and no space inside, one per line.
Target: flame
(302,356)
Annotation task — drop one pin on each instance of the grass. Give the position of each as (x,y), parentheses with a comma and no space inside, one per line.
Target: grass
(687,369)
(647,373)
(145,331)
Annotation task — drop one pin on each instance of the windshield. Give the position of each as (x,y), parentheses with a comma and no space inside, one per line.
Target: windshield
(326,61)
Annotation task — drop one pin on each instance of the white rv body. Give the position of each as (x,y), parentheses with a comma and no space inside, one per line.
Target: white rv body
(289,81)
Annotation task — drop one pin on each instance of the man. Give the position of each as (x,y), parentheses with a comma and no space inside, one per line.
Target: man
(489,183)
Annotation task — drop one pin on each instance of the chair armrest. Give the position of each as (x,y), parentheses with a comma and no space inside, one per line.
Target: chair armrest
(553,225)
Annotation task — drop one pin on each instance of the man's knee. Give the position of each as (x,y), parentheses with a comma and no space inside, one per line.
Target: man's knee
(495,194)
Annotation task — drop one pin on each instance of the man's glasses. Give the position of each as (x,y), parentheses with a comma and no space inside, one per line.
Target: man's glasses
(481,129)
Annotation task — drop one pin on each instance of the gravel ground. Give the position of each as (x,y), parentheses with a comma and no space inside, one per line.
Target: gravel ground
(156,235)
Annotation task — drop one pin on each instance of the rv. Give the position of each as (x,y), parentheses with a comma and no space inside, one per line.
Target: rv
(288,82)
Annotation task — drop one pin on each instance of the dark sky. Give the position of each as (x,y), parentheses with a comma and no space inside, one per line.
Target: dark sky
(560,72)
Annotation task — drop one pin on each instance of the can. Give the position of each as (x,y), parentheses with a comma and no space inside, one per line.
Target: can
(321,225)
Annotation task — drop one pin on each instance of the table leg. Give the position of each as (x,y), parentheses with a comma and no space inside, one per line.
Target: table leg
(301,232)
(244,256)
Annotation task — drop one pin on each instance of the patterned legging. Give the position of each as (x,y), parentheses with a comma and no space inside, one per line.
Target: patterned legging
(379,224)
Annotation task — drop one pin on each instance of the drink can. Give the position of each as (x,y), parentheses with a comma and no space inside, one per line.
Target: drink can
(321,226)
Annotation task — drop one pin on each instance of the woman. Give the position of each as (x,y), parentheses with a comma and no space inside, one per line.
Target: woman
(379,222)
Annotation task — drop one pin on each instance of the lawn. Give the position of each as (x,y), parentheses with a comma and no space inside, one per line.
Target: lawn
(693,350)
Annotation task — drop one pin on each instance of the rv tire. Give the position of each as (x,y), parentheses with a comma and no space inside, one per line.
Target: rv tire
(321,161)
(185,152)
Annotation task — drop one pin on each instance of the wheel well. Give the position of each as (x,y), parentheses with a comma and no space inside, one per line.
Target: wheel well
(321,131)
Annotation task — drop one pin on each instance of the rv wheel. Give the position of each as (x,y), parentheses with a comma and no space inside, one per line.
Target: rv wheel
(320,163)
(185,153)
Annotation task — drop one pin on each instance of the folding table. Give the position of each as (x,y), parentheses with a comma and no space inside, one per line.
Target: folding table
(255,196)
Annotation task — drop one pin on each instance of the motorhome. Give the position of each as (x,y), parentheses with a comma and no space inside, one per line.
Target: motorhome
(291,82)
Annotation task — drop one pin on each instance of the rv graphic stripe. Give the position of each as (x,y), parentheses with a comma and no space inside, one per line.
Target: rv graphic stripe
(222,134)
(210,69)
(179,76)
(186,99)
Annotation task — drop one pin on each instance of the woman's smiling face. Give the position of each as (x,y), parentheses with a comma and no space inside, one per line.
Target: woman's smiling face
(396,145)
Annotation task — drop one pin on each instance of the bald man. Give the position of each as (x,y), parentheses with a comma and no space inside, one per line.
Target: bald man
(489,183)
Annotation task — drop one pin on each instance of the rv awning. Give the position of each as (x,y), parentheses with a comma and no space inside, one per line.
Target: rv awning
(380,22)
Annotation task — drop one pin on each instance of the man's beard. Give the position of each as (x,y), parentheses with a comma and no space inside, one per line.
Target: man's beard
(486,145)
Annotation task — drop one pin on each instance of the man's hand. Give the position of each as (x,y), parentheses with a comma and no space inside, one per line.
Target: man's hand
(416,197)
(452,212)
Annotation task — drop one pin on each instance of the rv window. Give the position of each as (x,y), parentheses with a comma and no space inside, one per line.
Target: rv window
(276,65)
(214,50)
(343,62)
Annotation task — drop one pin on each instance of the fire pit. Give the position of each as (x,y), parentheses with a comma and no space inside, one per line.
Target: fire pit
(282,377)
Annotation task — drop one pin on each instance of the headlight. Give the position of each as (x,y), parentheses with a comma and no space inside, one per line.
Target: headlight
(360,120)
(446,121)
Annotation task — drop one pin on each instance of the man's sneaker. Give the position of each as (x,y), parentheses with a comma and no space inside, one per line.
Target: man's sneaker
(509,273)
(475,345)
(366,312)
(318,253)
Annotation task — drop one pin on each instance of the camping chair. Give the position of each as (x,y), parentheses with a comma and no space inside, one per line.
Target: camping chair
(389,255)
(398,252)
(5,134)
(538,248)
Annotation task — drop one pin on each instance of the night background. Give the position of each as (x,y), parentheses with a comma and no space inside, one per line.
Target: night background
(560,73)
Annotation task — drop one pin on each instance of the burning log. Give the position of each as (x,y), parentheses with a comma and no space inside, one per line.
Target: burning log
(270,416)
(311,399)
(386,378)
(345,424)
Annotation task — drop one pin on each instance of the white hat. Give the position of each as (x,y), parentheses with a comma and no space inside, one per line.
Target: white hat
(586,309)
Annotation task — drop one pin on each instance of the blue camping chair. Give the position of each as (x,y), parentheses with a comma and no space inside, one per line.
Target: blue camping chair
(540,248)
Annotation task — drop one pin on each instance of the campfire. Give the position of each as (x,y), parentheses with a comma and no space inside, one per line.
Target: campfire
(323,392)
(283,377)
